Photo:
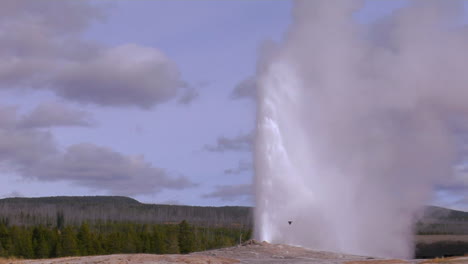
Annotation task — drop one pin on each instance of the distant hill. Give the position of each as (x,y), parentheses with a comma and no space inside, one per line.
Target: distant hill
(440,213)
(49,211)
(443,221)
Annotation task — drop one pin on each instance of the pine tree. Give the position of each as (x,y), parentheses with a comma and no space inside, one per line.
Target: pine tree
(68,241)
(186,238)
(130,243)
(41,246)
(5,240)
(172,239)
(159,244)
(84,239)
(21,242)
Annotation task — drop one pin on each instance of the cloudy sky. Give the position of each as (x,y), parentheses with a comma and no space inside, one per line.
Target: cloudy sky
(148,99)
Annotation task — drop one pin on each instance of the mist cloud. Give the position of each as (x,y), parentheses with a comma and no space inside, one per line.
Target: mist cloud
(356,122)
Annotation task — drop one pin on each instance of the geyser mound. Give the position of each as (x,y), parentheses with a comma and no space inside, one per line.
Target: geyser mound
(356,124)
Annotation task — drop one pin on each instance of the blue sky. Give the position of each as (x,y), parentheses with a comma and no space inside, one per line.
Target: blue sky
(189,142)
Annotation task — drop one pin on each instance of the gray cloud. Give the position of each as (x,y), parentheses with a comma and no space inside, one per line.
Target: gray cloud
(121,76)
(457,183)
(8,116)
(55,114)
(102,168)
(33,153)
(189,95)
(248,88)
(461,176)
(239,143)
(44,51)
(62,17)
(24,148)
(242,166)
(461,204)
(245,89)
(231,192)
(457,193)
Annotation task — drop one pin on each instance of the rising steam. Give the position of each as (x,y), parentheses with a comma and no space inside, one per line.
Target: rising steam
(355,124)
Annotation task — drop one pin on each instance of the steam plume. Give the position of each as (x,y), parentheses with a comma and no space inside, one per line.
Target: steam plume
(355,124)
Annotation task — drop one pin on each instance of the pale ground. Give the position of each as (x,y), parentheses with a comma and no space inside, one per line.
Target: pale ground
(251,252)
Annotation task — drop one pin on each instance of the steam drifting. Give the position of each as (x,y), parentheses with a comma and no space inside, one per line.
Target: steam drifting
(356,124)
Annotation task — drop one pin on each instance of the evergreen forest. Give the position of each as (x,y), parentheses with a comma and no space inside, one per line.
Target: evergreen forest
(114,237)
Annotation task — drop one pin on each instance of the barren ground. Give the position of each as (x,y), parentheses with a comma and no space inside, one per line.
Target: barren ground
(251,252)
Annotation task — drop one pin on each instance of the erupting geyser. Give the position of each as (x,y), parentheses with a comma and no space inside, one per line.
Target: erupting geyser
(356,124)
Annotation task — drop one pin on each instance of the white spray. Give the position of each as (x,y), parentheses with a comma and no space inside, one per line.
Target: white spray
(354,124)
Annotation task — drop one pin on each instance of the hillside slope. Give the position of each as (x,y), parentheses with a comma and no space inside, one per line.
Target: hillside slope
(442,221)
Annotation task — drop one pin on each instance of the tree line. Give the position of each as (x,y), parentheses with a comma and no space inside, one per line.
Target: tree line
(114,237)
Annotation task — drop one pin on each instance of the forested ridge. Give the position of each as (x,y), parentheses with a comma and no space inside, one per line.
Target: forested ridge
(70,210)
(76,210)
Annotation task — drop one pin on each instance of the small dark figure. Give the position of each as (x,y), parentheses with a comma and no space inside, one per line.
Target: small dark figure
(289,222)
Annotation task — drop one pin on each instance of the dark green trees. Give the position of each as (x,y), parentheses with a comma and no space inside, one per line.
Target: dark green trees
(21,242)
(68,244)
(86,241)
(111,238)
(41,242)
(5,242)
(186,238)
(158,238)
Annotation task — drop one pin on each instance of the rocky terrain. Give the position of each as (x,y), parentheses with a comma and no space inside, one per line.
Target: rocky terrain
(251,252)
